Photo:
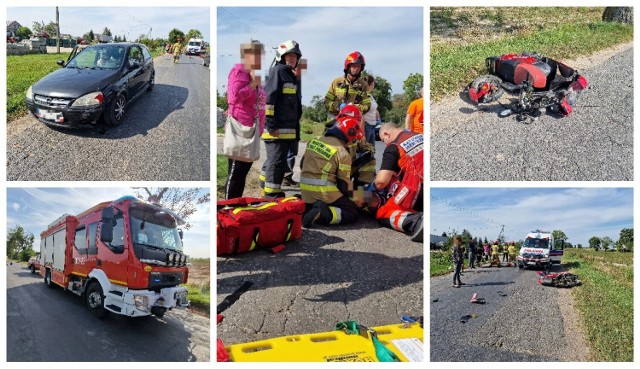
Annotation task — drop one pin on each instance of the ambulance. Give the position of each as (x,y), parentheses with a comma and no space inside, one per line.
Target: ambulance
(540,250)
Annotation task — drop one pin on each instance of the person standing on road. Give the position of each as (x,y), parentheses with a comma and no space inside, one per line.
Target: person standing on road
(458,260)
(486,252)
(325,181)
(472,254)
(512,253)
(283,112)
(401,176)
(415,115)
(505,252)
(350,88)
(495,253)
(246,104)
(371,117)
(177,50)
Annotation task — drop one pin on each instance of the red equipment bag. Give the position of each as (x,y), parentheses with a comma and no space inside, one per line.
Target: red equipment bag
(247,223)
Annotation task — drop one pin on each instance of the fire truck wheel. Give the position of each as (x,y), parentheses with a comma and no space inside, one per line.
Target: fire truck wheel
(47,278)
(95,300)
(114,114)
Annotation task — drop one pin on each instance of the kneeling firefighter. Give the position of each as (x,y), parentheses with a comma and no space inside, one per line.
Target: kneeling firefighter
(398,184)
(325,181)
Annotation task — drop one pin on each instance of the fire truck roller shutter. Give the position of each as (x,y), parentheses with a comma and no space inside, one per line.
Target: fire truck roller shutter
(59,246)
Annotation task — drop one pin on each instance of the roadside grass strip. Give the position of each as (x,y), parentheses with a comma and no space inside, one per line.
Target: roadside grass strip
(200,296)
(454,66)
(440,263)
(222,164)
(605,301)
(22,72)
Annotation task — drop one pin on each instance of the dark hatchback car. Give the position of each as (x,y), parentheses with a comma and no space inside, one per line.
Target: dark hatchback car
(98,82)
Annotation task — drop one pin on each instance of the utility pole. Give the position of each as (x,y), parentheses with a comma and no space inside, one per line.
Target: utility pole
(58,31)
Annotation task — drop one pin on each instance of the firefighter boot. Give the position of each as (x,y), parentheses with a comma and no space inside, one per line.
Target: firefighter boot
(320,213)
(289,181)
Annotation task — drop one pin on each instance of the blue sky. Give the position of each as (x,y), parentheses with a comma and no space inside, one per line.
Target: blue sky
(391,40)
(127,21)
(35,208)
(579,212)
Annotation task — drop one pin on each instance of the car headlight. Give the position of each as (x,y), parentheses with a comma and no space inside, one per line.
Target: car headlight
(30,93)
(141,302)
(90,99)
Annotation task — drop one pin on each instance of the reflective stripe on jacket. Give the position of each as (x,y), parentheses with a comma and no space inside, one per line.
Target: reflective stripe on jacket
(342,90)
(325,162)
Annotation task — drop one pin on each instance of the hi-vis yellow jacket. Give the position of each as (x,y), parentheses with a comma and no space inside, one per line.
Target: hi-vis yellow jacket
(325,162)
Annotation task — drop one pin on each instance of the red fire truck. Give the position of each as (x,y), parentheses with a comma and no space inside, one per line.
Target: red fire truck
(123,256)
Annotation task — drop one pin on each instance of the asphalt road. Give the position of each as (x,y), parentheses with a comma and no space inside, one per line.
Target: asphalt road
(359,272)
(54,325)
(594,143)
(165,137)
(524,325)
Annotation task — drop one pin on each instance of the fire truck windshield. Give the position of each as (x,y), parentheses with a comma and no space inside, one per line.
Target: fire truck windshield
(536,243)
(155,228)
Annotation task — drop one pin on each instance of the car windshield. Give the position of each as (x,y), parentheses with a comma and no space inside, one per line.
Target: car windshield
(151,226)
(194,43)
(100,57)
(537,243)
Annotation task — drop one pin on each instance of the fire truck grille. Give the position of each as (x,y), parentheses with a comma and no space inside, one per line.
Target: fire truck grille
(157,280)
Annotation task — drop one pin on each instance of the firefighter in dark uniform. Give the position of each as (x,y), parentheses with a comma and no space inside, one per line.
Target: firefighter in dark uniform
(325,181)
(401,177)
(350,88)
(283,111)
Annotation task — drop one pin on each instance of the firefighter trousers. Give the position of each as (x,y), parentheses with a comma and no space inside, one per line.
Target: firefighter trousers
(275,167)
(341,211)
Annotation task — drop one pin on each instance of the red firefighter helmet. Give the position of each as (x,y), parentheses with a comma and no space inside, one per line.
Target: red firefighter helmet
(352,128)
(354,58)
(350,111)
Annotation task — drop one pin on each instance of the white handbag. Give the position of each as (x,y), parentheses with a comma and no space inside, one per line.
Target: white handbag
(240,142)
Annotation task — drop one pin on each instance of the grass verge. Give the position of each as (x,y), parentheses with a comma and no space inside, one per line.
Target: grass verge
(200,296)
(440,263)
(605,301)
(22,72)
(453,65)
(221,175)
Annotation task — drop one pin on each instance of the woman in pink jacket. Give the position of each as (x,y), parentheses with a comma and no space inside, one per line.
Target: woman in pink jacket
(246,103)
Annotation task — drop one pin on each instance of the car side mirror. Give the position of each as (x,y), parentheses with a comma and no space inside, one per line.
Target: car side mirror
(181,233)
(60,62)
(106,228)
(134,64)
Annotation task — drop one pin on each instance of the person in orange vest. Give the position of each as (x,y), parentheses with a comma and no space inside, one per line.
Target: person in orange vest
(401,174)
(415,115)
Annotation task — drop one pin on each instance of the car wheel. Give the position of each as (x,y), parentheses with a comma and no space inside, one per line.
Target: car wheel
(114,115)
(95,300)
(152,81)
(47,278)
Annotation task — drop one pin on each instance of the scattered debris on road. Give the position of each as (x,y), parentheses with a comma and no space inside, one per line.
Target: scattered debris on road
(476,300)
(466,318)
(563,279)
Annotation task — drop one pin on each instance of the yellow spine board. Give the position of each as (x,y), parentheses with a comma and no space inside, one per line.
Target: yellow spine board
(331,346)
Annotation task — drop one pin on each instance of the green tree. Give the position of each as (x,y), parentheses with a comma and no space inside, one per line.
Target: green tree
(316,112)
(559,235)
(47,30)
(182,201)
(626,239)
(23,32)
(398,111)
(221,101)
(90,36)
(174,34)
(124,38)
(605,242)
(412,86)
(594,243)
(106,31)
(193,33)
(19,244)
(382,94)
